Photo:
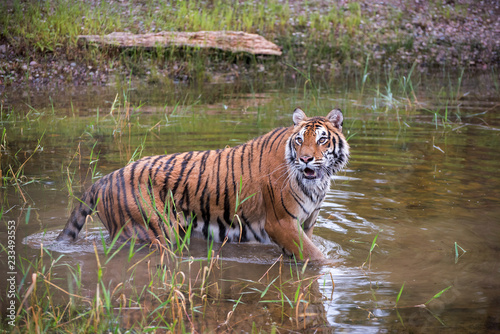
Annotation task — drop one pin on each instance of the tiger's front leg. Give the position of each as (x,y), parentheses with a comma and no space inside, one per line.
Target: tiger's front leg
(309,223)
(294,241)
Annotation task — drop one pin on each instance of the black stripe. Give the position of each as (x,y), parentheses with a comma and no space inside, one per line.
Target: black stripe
(299,202)
(340,143)
(268,137)
(149,224)
(205,208)
(250,157)
(279,135)
(293,153)
(151,178)
(132,189)
(142,233)
(173,208)
(190,170)
(163,196)
(193,219)
(243,148)
(247,224)
(284,207)
(92,199)
(156,170)
(271,193)
(162,224)
(226,192)
(167,168)
(260,154)
(100,194)
(184,198)
(227,208)
(330,135)
(333,142)
(222,230)
(125,233)
(147,221)
(109,205)
(151,182)
(103,192)
(202,169)
(295,195)
(217,176)
(121,192)
(184,163)
(232,172)
(205,229)
(304,189)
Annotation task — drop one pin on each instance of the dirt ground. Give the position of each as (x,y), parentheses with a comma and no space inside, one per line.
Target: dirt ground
(393,33)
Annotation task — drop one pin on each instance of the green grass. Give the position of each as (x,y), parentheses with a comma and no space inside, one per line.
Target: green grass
(308,36)
(372,248)
(173,294)
(178,293)
(322,37)
(397,307)
(178,290)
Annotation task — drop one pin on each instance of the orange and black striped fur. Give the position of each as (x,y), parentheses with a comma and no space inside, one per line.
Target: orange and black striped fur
(287,171)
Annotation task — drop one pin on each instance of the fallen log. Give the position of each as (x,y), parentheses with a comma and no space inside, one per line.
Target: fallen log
(233,41)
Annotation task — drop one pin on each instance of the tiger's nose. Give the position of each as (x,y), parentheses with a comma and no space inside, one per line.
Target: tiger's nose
(306,158)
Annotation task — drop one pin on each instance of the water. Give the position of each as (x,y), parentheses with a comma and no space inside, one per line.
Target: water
(427,188)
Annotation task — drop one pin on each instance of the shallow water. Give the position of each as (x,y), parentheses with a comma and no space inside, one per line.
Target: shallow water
(428,188)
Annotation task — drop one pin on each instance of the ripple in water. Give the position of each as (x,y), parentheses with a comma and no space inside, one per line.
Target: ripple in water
(84,243)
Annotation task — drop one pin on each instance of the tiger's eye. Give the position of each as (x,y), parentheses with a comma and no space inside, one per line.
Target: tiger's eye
(298,140)
(322,140)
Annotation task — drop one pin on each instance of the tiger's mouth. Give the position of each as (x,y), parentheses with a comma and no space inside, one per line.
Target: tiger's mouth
(310,173)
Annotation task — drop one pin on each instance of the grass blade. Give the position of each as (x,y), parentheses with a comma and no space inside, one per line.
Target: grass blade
(437,295)
(399,294)
(267,287)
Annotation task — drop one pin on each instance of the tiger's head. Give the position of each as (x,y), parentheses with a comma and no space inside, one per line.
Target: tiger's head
(317,148)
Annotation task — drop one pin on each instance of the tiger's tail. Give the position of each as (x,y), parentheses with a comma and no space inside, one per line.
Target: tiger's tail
(78,217)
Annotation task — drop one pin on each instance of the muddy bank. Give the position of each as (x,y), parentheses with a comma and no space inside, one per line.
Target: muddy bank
(318,37)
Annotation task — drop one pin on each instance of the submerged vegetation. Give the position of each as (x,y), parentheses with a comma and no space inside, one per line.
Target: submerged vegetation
(61,147)
(165,290)
(394,96)
(157,291)
(39,40)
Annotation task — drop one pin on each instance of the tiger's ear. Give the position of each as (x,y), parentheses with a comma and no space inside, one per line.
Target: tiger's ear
(336,118)
(298,116)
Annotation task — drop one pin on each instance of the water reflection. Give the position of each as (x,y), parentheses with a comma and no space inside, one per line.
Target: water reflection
(423,186)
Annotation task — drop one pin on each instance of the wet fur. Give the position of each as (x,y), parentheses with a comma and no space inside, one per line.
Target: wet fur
(286,172)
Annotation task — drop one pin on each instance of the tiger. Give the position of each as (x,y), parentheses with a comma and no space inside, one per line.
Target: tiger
(268,190)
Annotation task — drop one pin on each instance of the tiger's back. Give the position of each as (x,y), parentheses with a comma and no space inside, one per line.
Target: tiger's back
(152,198)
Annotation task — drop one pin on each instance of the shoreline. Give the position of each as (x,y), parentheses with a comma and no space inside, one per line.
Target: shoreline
(317,38)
